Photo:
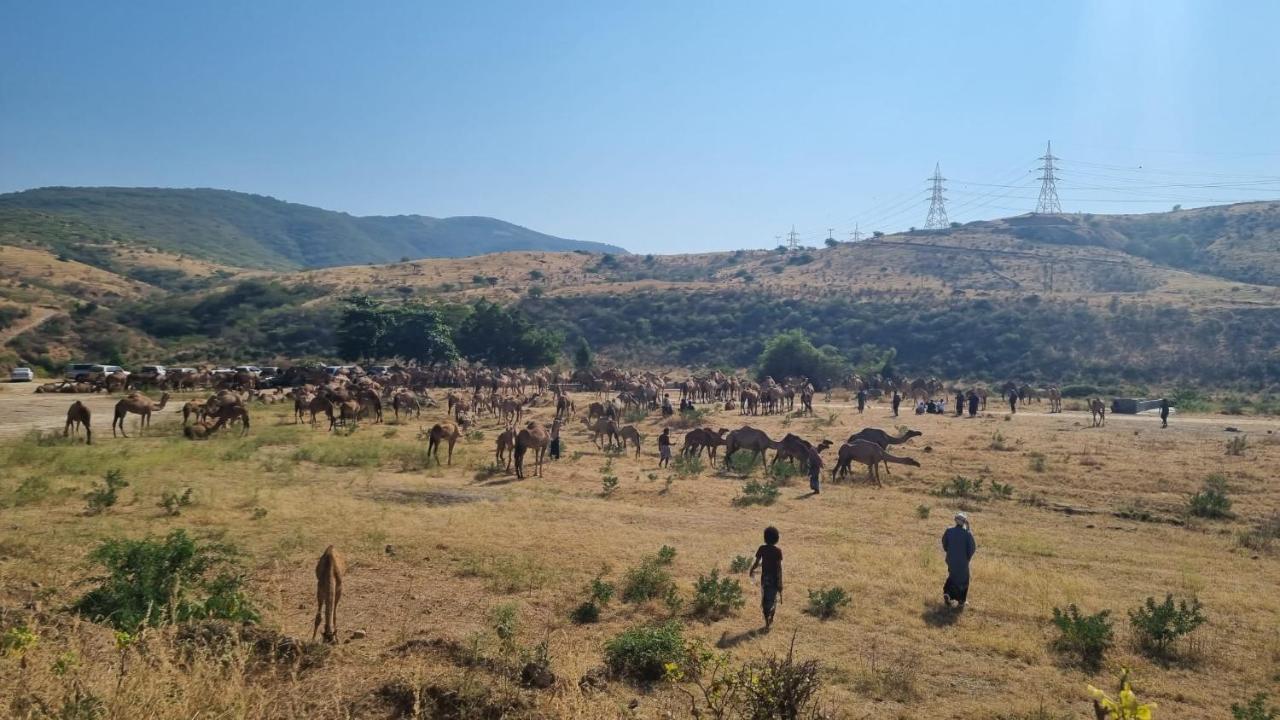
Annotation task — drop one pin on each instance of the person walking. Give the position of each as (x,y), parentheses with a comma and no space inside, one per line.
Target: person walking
(1164,412)
(897,400)
(959,403)
(664,448)
(769,562)
(973,404)
(1013,401)
(862,400)
(555,439)
(814,461)
(959,546)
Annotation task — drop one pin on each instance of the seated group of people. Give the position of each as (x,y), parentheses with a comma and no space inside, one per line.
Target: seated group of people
(932,407)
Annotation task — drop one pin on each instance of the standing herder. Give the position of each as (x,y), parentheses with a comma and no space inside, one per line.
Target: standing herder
(815,470)
(959,403)
(897,400)
(958,544)
(1164,412)
(1013,401)
(555,439)
(862,400)
(769,561)
(973,404)
(664,448)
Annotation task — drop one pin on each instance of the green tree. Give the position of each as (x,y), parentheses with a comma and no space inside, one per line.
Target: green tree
(583,358)
(505,337)
(369,329)
(791,354)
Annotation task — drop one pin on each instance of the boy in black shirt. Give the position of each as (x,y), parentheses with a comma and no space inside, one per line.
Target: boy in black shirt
(769,560)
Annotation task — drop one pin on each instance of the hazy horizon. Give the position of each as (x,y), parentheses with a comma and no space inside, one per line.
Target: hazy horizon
(661,128)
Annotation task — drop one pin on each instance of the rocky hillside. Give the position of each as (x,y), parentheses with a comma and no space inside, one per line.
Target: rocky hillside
(253,231)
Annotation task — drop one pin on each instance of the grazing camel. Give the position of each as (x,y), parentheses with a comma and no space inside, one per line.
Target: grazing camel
(192,408)
(629,432)
(222,415)
(444,431)
(869,454)
(602,428)
(793,447)
(698,438)
(198,430)
(138,405)
(77,415)
(534,437)
(329,571)
(882,438)
(748,438)
(406,402)
(321,404)
(506,446)
(1099,411)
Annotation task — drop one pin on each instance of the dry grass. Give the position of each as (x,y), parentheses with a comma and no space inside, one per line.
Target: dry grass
(432,551)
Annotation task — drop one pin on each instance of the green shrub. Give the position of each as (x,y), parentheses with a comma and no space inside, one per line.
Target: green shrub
(608,484)
(505,621)
(648,581)
(634,415)
(1088,637)
(1261,537)
(741,463)
(1255,709)
(922,512)
(172,503)
(1157,627)
(642,653)
(152,582)
(755,492)
(17,640)
(715,597)
(586,613)
(1211,502)
(961,487)
(780,687)
(31,490)
(825,603)
(101,497)
(739,564)
(782,472)
(666,555)
(686,466)
(1237,445)
(1001,491)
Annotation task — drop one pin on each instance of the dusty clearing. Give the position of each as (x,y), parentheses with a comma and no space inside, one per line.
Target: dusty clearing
(431,551)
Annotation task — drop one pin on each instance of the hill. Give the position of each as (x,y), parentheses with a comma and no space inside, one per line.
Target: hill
(254,231)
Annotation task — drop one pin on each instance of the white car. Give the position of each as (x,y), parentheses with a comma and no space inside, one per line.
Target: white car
(21,375)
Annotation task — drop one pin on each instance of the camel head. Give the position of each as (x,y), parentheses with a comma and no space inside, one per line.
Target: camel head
(824,445)
(911,434)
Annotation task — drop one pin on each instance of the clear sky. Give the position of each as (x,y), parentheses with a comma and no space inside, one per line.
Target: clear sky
(661,126)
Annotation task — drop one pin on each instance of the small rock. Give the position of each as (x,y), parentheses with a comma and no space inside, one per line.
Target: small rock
(358,635)
(35,584)
(1090,526)
(1253,557)
(635,703)
(391,550)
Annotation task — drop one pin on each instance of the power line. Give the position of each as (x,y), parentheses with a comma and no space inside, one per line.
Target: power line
(937,202)
(1048,203)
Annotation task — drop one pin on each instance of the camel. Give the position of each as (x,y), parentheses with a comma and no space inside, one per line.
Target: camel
(369,404)
(602,427)
(869,454)
(793,447)
(406,402)
(445,431)
(532,436)
(629,432)
(198,430)
(191,407)
(138,405)
(321,404)
(506,446)
(1055,399)
(748,438)
(329,571)
(698,438)
(882,438)
(77,415)
(222,415)
(1099,411)
(564,406)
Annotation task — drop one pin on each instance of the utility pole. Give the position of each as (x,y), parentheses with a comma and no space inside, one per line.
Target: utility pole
(937,219)
(793,239)
(777,239)
(1048,203)
(831,237)
(856,235)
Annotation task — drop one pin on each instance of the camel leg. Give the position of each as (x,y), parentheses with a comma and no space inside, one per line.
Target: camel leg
(451,442)
(315,626)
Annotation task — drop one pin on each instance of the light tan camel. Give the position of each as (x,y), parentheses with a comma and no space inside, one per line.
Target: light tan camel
(748,438)
(198,430)
(137,404)
(406,402)
(533,437)
(443,431)
(506,446)
(869,454)
(882,438)
(629,433)
(1099,411)
(222,414)
(1055,399)
(321,404)
(192,408)
(77,415)
(329,571)
(602,428)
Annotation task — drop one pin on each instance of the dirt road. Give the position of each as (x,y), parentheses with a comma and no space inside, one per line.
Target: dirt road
(39,315)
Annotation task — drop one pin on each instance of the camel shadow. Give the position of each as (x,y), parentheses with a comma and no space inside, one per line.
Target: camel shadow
(727,641)
(806,496)
(495,481)
(940,615)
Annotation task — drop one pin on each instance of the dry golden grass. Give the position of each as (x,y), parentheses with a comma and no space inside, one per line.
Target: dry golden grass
(464,540)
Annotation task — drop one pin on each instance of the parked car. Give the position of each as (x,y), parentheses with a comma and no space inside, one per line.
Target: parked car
(21,374)
(108,369)
(251,369)
(78,371)
(269,371)
(152,372)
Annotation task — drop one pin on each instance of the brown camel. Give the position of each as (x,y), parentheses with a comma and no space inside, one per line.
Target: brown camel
(534,437)
(222,414)
(1055,399)
(882,438)
(137,404)
(506,445)
(793,448)
(408,403)
(329,571)
(321,404)
(444,431)
(629,432)
(602,428)
(198,430)
(77,415)
(698,438)
(1099,411)
(192,408)
(869,454)
(748,438)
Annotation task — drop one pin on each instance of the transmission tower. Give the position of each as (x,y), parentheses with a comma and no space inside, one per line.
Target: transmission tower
(856,235)
(1048,203)
(938,203)
(793,239)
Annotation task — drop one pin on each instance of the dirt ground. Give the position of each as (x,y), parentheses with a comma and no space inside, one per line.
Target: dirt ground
(432,551)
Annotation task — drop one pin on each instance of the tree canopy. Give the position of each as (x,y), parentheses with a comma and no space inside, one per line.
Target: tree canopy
(505,337)
(791,354)
(370,329)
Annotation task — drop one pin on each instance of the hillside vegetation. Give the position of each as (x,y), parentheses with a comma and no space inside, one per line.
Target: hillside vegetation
(254,231)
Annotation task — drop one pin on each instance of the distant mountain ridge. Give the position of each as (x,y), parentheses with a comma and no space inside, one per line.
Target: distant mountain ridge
(256,231)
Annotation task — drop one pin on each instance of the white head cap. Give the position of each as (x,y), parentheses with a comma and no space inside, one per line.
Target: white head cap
(962,518)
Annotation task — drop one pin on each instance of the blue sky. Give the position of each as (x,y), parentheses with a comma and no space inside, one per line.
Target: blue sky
(660,126)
